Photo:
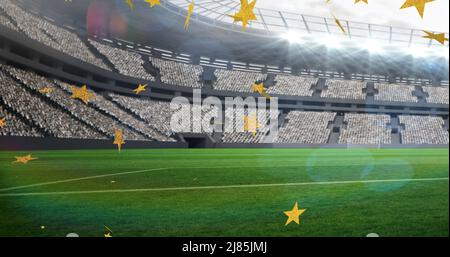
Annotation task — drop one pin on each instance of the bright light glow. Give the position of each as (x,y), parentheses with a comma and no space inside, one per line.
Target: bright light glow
(372,46)
(333,41)
(293,37)
(441,52)
(417,51)
(445,53)
(383,12)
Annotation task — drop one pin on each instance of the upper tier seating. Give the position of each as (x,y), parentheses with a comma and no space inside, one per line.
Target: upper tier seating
(293,85)
(437,95)
(126,62)
(53,36)
(180,74)
(395,93)
(344,89)
(232,80)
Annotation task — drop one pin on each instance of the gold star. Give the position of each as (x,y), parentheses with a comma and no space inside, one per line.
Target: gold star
(440,37)
(245,13)
(365,1)
(130,4)
(118,139)
(24,159)
(260,89)
(338,23)
(81,93)
(46,90)
(294,214)
(419,4)
(108,234)
(188,18)
(141,88)
(2,122)
(251,124)
(152,3)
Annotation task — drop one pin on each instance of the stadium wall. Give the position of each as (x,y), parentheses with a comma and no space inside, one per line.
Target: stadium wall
(10,143)
(342,146)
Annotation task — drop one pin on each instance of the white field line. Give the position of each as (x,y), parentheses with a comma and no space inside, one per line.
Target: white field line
(131,172)
(222,187)
(78,179)
(301,165)
(139,171)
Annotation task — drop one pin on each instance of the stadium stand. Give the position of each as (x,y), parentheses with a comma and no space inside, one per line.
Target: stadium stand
(6,21)
(86,113)
(344,89)
(306,128)
(293,85)
(50,119)
(131,64)
(437,95)
(366,129)
(126,62)
(423,130)
(181,74)
(33,113)
(111,109)
(200,124)
(16,127)
(156,113)
(234,121)
(240,81)
(395,93)
(47,33)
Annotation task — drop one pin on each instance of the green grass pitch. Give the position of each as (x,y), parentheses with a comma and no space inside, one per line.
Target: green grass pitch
(226,192)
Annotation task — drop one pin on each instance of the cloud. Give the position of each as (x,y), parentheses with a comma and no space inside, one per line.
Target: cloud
(379,12)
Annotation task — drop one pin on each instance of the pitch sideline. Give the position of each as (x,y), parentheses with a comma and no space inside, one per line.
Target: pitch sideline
(78,179)
(222,187)
(123,173)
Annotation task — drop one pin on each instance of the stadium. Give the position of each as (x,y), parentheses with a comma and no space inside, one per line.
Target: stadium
(358,137)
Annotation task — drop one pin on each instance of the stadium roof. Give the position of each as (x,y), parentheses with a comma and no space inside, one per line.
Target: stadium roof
(273,22)
(162,27)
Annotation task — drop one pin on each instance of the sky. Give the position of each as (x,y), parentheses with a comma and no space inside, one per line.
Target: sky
(380,12)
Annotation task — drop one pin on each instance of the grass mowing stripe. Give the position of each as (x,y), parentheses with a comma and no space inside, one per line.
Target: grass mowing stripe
(78,179)
(142,171)
(223,187)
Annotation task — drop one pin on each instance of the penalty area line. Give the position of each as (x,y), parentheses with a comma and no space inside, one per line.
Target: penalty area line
(78,179)
(222,187)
